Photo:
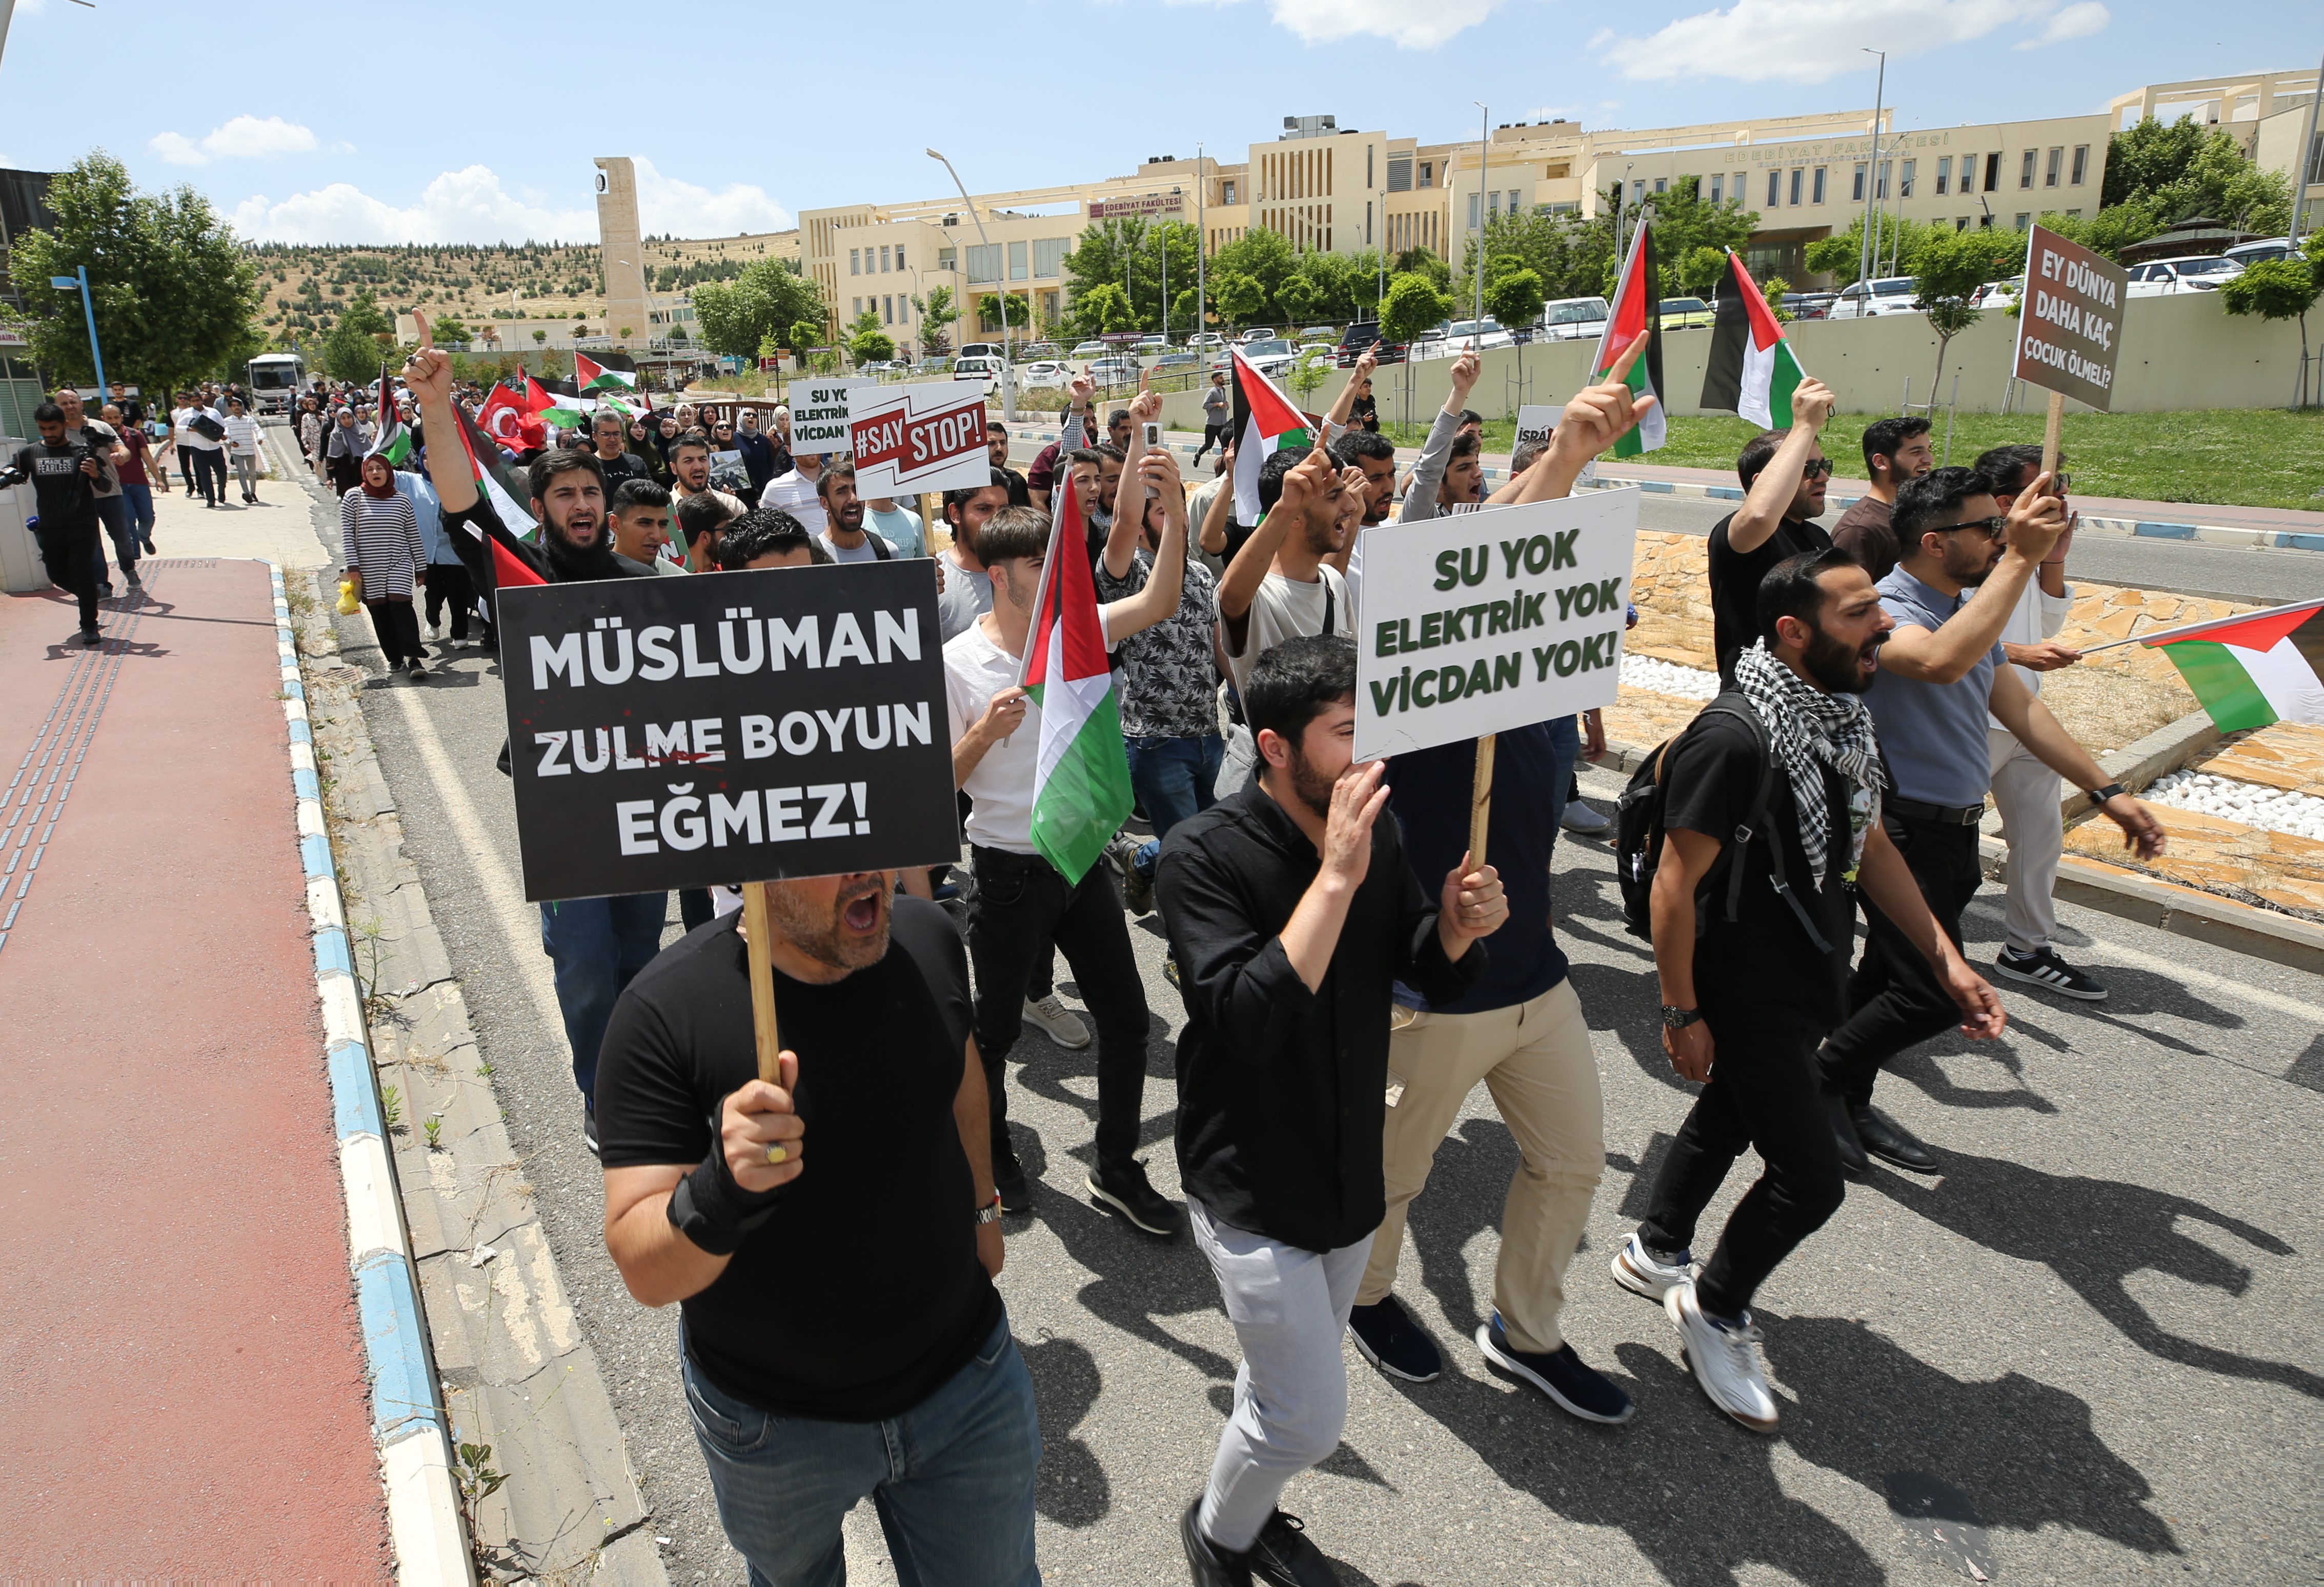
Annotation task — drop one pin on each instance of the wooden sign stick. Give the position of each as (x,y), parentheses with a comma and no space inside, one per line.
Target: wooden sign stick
(760,936)
(1481,802)
(2051,426)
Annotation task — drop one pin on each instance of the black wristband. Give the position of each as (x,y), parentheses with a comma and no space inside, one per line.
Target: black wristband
(710,1209)
(2100,796)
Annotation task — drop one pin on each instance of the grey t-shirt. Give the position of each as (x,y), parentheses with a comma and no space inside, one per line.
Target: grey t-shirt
(97,433)
(865,552)
(967,595)
(1933,734)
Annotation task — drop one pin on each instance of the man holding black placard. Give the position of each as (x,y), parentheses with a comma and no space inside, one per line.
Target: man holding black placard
(597,945)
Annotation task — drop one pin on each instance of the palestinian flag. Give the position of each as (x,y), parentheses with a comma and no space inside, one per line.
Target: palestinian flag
(1265,421)
(2252,668)
(393,440)
(593,376)
(1081,786)
(1752,372)
(1635,308)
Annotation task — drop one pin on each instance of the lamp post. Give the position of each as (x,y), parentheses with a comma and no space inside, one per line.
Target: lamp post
(1484,162)
(66,283)
(1202,236)
(1872,169)
(1008,353)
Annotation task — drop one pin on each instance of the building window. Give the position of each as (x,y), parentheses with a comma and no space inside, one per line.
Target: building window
(884,260)
(1049,257)
(1399,173)
(856,312)
(983,261)
(1493,205)
(1568,207)
(855,261)
(2073,214)
(1516,199)
(1798,177)
(1880,180)
(1993,172)
(1017,266)
(1945,175)
(1718,187)
(947,260)
(2026,169)
(2024,219)
(1427,173)
(887,308)
(1662,184)
(1368,149)
(2054,168)
(1856,195)
(1227,191)
(1775,187)
(1960,223)
(1638,191)
(1904,179)
(1820,175)
(1476,207)
(1985,222)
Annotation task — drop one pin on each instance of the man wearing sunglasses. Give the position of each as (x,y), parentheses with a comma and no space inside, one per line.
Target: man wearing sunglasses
(1964,568)
(1784,473)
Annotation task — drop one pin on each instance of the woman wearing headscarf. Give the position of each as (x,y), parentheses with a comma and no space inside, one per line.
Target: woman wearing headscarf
(384,554)
(343,452)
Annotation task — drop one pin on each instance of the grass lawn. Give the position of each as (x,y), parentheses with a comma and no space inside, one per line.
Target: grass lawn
(2246,457)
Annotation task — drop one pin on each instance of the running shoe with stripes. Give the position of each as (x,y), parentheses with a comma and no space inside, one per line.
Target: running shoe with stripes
(1641,1272)
(2043,968)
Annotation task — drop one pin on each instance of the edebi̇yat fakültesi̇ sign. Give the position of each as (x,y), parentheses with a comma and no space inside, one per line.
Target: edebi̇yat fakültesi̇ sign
(819,412)
(1492,620)
(2069,320)
(730,727)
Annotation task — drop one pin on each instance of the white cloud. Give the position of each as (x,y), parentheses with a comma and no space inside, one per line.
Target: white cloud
(246,137)
(1410,24)
(2076,21)
(473,205)
(1815,41)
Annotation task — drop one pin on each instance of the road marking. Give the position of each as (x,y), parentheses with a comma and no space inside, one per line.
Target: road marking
(518,920)
(2190,976)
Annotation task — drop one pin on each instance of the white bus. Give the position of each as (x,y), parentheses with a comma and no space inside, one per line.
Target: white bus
(275,379)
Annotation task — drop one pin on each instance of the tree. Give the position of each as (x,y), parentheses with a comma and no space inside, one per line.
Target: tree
(767,299)
(1774,290)
(452,333)
(1308,369)
(1700,270)
(1901,242)
(626,332)
(1297,296)
(804,334)
(1103,308)
(358,340)
(1265,257)
(1947,270)
(2281,288)
(540,338)
(1238,299)
(1420,262)
(1514,296)
(1017,306)
(936,313)
(173,292)
(1413,304)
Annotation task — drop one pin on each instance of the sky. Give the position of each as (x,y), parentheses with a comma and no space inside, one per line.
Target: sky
(434,124)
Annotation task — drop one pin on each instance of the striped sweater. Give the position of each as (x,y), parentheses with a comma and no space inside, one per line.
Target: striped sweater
(381,539)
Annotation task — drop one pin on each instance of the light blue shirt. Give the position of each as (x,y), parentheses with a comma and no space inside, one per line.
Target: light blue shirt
(416,489)
(900,528)
(1933,733)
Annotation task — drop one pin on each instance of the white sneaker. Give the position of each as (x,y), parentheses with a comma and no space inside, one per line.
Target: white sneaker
(1724,1358)
(1059,1023)
(1638,1271)
(1582,819)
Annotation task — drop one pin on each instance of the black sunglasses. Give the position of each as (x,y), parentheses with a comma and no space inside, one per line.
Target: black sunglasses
(1992,528)
(1819,469)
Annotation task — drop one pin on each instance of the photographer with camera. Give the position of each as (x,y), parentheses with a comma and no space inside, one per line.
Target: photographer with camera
(65,476)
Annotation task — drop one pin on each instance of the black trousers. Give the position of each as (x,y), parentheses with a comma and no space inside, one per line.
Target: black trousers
(209,471)
(397,624)
(68,551)
(1764,1094)
(1895,998)
(1022,906)
(1213,435)
(449,584)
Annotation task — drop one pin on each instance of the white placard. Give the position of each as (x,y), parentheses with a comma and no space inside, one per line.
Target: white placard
(819,412)
(917,437)
(1492,620)
(1535,421)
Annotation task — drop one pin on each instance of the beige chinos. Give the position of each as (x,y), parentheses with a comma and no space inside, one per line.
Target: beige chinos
(1537,1060)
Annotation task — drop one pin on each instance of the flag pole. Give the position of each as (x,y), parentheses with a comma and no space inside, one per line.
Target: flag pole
(2189,630)
(764,1030)
(2050,425)
(1481,802)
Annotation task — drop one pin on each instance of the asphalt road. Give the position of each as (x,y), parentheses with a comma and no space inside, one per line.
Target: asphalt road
(2086,1352)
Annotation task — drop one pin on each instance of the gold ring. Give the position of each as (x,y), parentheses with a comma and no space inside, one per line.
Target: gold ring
(776,1154)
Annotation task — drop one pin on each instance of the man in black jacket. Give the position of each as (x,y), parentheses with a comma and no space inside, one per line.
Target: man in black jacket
(1291,910)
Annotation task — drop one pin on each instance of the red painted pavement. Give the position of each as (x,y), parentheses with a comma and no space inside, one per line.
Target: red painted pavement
(182,1389)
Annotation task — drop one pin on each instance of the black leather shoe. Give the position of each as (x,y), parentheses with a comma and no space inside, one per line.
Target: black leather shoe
(1283,1557)
(1009,1181)
(1890,1141)
(1852,1160)
(1209,1564)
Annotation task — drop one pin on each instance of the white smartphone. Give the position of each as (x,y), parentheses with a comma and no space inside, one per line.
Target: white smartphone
(1150,433)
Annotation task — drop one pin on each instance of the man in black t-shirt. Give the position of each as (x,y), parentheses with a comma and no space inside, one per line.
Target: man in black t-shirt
(832,1239)
(64,477)
(1747,1001)
(1784,473)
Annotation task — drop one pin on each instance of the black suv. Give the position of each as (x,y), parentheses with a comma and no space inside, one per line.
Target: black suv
(1363,334)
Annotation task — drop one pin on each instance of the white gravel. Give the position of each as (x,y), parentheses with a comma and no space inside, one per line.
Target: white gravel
(1668,678)
(2271,810)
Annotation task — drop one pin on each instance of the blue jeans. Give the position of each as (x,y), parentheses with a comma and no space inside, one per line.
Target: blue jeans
(1565,737)
(139,499)
(1173,778)
(598,945)
(952,1478)
(113,511)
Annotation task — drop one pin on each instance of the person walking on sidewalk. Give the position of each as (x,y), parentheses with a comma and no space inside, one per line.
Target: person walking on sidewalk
(243,450)
(64,479)
(831,1239)
(384,556)
(1291,911)
(199,430)
(1942,679)
(104,443)
(1218,415)
(596,945)
(136,481)
(445,575)
(1750,968)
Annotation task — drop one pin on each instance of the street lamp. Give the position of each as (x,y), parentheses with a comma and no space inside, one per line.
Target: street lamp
(66,283)
(1008,351)
(1872,168)
(1484,161)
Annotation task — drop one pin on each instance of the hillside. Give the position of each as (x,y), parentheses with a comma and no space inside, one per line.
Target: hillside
(302,287)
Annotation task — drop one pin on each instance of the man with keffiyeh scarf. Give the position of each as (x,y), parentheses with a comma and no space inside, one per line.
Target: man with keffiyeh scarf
(1747,1001)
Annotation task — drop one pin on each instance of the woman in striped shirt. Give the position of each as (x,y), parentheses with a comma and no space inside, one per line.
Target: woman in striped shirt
(385,554)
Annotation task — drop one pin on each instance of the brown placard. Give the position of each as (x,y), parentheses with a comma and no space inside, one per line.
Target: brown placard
(2069,320)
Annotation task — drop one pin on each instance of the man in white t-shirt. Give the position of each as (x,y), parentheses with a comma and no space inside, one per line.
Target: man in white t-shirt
(795,492)
(843,534)
(1279,586)
(1023,902)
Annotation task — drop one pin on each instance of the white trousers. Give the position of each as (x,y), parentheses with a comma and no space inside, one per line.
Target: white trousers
(2026,793)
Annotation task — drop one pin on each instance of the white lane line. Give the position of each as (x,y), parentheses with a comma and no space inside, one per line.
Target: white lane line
(2219,986)
(519,921)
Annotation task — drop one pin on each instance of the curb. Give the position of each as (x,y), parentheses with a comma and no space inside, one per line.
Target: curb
(423,1508)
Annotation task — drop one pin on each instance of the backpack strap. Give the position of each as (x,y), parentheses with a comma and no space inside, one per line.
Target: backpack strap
(1756,820)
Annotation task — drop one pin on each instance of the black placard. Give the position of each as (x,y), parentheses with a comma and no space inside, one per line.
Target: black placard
(727,727)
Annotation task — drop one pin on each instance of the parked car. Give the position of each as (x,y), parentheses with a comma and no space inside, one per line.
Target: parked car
(1680,313)
(1807,305)
(1179,361)
(980,350)
(1888,294)
(1092,348)
(2167,277)
(1113,371)
(1362,334)
(987,370)
(1036,351)
(1997,294)
(2250,254)
(1206,338)
(1271,355)
(1257,333)
(1318,333)
(1153,344)
(1477,336)
(1429,344)
(1045,375)
(1574,320)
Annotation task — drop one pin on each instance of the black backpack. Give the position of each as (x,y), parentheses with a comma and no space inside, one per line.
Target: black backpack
(1638,834)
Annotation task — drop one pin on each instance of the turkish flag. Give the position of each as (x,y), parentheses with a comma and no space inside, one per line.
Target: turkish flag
(501,415)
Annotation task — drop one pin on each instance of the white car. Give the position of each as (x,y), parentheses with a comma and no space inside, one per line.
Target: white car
(1091,349)
(1429,344)
(1998,294)
(2168,277)
(1045,375)
(987,370)
(1888,294)
(1151,345)
(2251,254)
(1257,333)
(1477,336)
(1271,356)
(1574,320)
(1115,371)
(1206,338)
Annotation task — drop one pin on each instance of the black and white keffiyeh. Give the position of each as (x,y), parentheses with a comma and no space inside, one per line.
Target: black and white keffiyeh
(1808,730)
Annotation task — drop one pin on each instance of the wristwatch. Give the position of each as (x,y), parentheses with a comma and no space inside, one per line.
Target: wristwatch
(2100,796)
(990,1212)
(1677,1019)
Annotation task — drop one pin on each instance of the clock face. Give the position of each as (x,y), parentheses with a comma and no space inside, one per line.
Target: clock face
(600,182)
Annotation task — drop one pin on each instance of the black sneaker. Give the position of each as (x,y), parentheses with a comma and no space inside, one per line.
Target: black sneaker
(1009,1180)
(91,637)
(2043,968)
(1210,1566)
(1123,1187)
(1560,1374)
(1386,1336)
(1137,887)
(589,1128)
(1282,1555)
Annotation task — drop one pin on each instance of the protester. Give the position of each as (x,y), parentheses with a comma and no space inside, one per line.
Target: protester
(1277,587)
(1895,450)
(1425,497)
(310,432)
(64,476)
(900,526)
(640,513)
(859,1173)
(996,446)
(967,592)
(244,448)
(1218,415)
(1291,910)
(104,444)
(701,519)
(689,467)
(1097,477)
(1750,975)
(2025,792)
(136,483)
(343,450)
(609,440)
(385,554)
(845,537)
(758,453)
(1784,473)
(1940,678)
(798,492)
(1023,902)
(769,537)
